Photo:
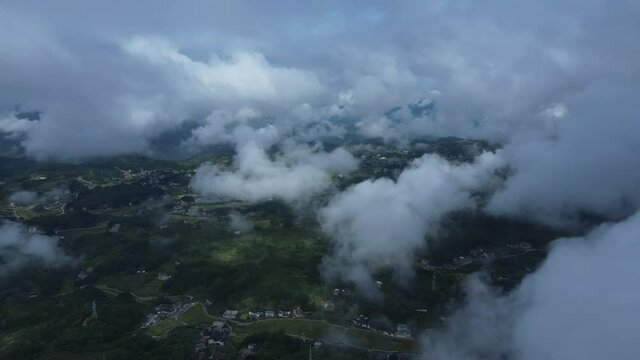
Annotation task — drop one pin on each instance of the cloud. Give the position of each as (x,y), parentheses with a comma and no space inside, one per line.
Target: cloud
(582,303)
(109,81)
(382,223)
(31,197)
(15,127)
(218,128)
(20,248)
(244,76)
(481,329)
(295,175)
(239,222)
(24,197)
(401,124)
(584,165)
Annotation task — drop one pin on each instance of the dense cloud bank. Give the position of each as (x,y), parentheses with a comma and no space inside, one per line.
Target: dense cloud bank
(586,165)
(110,77)
(582,303)
(382,223)
(19,248)
(555,81)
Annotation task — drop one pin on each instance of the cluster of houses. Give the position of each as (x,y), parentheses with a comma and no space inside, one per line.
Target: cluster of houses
(328,305)
(362,321)
(165,311)
(481,255)
(266,314)
(230,314)
(385,156)
(342,292)
(215,335)
(161,178)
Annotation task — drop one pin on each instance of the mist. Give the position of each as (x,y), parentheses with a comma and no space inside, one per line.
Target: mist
(20,248)
(239,222)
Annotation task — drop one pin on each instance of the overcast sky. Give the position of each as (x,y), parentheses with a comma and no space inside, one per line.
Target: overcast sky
(109,76)
(556,83)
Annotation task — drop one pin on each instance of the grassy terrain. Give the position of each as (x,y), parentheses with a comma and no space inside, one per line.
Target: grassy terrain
(163,327)
(330,333)
(196,315)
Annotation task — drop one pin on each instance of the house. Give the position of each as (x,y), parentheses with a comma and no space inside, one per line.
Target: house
(525,245)
(269,314)
(362,321)
(216,334)
(256,314)
(164,276)
(284,313)
(328,305)
(403,330)
(230,314)
(82,275)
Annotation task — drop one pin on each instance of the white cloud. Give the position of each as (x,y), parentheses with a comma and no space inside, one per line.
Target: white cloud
(245,76)
(239,222)
(584,166)
(24,197)
(296,175)
(218,127)
(382,223)
(582,303)
(19,248)
(121,78)
(15,127)
(31,197)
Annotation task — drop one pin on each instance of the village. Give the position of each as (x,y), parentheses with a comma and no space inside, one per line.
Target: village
(482,256)
(204,268)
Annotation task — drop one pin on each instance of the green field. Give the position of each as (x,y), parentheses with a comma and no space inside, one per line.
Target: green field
(163,327)
(330,333)
(196,315)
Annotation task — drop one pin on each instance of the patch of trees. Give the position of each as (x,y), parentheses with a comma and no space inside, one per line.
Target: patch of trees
(117,317)
(68,220)
(276,346)
(114,196)
(462,231)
